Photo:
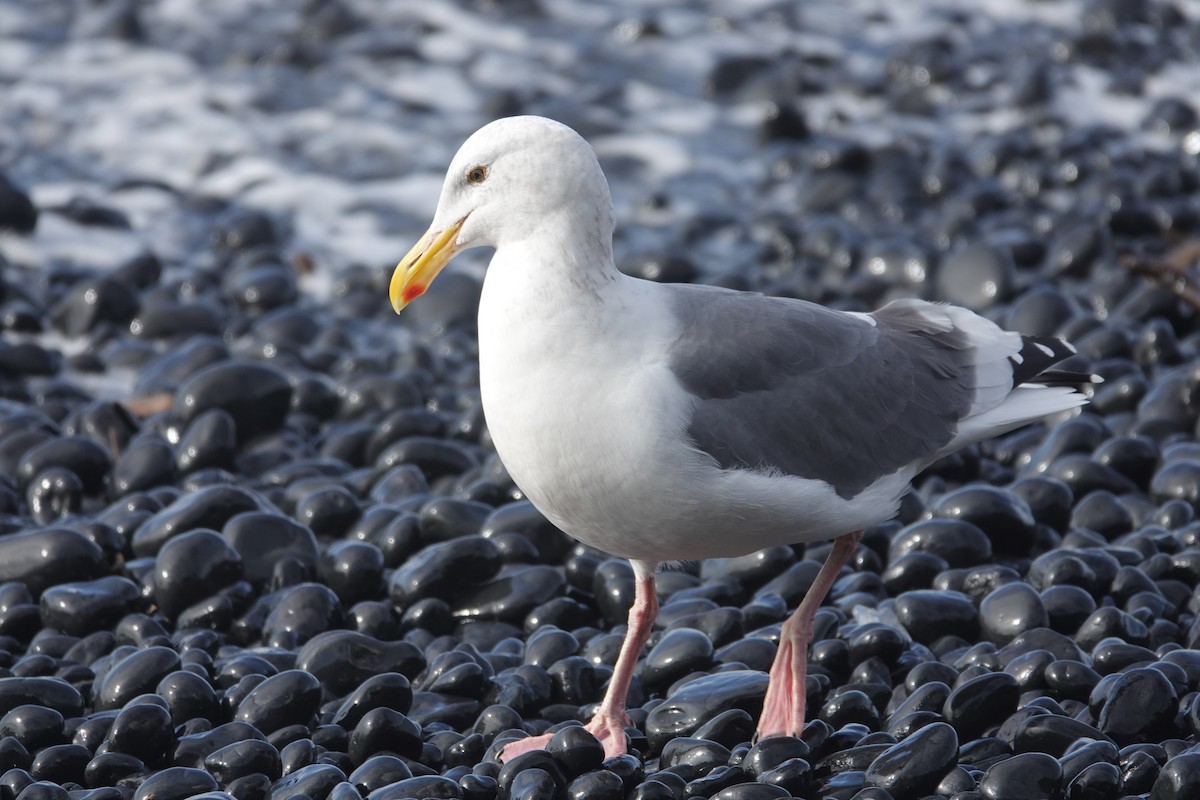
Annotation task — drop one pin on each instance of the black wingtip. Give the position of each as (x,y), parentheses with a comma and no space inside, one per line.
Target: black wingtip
(1039,353)
(1062,377)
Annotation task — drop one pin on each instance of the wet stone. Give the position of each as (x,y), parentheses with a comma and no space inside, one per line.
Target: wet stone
(176,783)
(1177,480)
(439,569)
(700,754)
(679,652)
(148,462)
(328,512)
(448,518)
(54,493)
(876,641)
(1002,516)
(28,359)
(80,456)
(33,726)
(354,570)
(240,759)
(957,542)
(1011,610)
(1141,703)
(576,749)
(62,763)
(1067,607)
(41,559)
(83,607)
(93,302)
(977,276)
(929,615)
(192,748)
(511,594)
(303,611)
(209,441)
(18,214)
(107,423)
(262,539)
(193,566)
(288,698)
(342,660)
(1051,733)
(697,701)
(1028,776)
(1179,778)
(144,731)
(1049,500)
(1097,780)
(435,458)
(383,729)
(913,571)
(981,702)
(850,707)
(210,507)
(256,396)
(108,769)
(135,674)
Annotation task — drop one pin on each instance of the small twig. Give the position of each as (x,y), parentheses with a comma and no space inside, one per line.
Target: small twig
(303,263)
(1173,271)
(113,445)
(149,405)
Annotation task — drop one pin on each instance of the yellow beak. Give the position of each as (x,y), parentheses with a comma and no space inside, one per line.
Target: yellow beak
(427,258)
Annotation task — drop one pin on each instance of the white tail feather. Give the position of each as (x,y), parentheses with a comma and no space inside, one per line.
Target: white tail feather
(1027,403)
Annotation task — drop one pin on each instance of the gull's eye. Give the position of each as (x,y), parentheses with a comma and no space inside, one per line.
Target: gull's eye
(477,174)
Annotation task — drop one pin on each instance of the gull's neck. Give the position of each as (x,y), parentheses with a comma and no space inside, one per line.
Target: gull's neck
(566,258)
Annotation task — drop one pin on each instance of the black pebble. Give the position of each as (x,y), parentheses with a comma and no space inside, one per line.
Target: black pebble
(240,759)
(1028,776)
(915,766)
(136,673)
(148,462)
(287,698)
(17,211)
(256,396)
(144,731)
(210,441)
(175,783)
(342,660)
(41,559)
(87,606)
(576,749)
(1010,610)
(440,569)
(929,615)
(980,703)
(697,701)
(191,567)
(208,507)
(1140,703)
(958,542)
(263,539)
(88,461)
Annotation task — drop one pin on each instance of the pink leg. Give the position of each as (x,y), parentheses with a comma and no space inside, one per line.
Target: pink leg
(608,725)
(783,707)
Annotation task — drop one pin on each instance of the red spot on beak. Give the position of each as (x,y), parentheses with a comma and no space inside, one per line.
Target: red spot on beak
(411,293)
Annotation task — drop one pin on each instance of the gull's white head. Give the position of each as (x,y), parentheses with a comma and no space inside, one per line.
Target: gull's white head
(513,178)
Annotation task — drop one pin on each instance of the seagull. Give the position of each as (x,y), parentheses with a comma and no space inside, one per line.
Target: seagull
(665,422)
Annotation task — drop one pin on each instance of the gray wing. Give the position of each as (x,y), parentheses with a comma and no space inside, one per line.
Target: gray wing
(790,386)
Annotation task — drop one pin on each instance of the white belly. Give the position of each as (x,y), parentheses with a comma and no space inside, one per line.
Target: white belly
(591,425)
(589,479)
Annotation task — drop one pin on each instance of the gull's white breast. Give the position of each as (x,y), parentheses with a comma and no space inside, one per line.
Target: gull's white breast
(591,424)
